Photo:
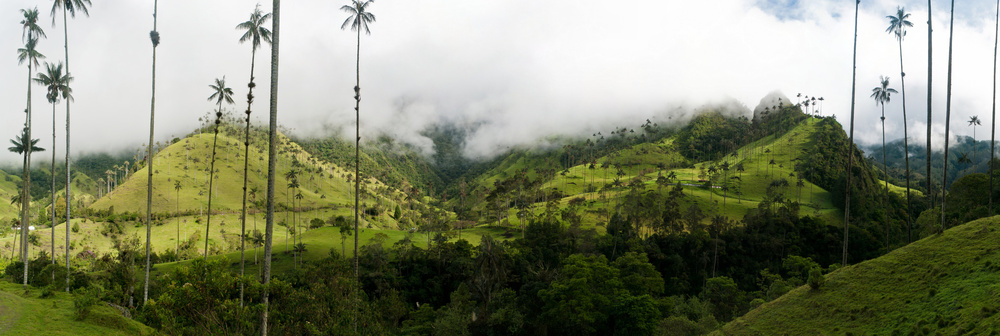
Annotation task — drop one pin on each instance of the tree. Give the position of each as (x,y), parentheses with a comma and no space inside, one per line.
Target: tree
(358,18)
(993,120)
(897,27)
(974,121)
(850,143)
(881,95)
(29,27)
(947,117)
(272,136)
(56,83)
(154,37)
(221,94)
(255,33)
(930,89)
(963,159)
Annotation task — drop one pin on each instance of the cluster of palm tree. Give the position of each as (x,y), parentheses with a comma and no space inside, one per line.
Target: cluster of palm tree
(56,81)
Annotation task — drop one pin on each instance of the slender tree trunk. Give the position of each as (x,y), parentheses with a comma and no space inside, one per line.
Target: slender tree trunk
(272,161)
(211,179)
(52,226)
(357,178)
(947,120)
(885,170)
(930,89)
(850,142)
(906,143)
(246,162)
(993,120)
(149,165)
(68,180)
(26,189)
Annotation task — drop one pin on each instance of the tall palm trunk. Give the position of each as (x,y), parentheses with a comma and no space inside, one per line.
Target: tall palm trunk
(885,170)
(357,165)
(246,160)
(68,184)
(149,158)
(850,143)
(993,120)
(52,226)
(930,75)
(211,177)
(26,189)
(906,139)
(272,161)
(947,120)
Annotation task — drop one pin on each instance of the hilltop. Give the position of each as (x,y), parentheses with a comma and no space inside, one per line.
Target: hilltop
(945,283)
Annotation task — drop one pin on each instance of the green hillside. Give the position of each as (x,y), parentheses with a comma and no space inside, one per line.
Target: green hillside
(534,176)
(944,284)
(187,161)
(9,186)
(25,313)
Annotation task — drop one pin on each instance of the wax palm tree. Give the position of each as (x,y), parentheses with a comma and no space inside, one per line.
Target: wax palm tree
(359,18)
(56,84)
(70,7)
(220,94)
(30,29)
(255,33)
(947,118)
(271,163)
(993,120)
(963,159)
(881,94)
(850,143)
(154,37)
(20,145)
(974,121)
(897,26)
(930,89)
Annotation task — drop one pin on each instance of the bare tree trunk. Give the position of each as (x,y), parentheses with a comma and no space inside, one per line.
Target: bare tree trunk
(246,161)
(930,58)
(850,142)
(906,143)
(993,120)
(149,162)
(271,161)
(947,120)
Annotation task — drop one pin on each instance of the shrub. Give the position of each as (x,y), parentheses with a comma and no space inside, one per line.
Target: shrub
(84,299)
(816,278)
(76,227)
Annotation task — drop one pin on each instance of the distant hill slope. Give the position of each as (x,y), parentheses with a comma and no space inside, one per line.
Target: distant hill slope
(9,186)
(187,161)
(945,284)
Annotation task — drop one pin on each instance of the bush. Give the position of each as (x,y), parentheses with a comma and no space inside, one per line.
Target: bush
(83,300)
(816,278)
(76,227)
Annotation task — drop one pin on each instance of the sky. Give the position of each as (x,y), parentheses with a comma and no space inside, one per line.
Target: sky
(518,71)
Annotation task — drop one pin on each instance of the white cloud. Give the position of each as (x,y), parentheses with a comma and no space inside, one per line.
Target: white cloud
(522,69)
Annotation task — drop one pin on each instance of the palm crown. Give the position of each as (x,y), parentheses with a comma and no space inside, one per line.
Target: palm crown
(71,6)
(975,121)
(30,25)
(898,23)
(221,92)
(29,53)
(882,92)
(359,16)
(20,143)
(255,28)
(55,82)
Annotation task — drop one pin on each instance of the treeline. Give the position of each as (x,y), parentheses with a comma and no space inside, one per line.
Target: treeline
(652,273)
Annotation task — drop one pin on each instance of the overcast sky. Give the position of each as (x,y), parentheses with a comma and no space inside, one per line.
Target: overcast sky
(520,69)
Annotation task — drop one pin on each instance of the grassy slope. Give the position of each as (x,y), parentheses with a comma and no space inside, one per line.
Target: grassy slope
(25,314)
(785,151)
(9,186)
(945,283)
